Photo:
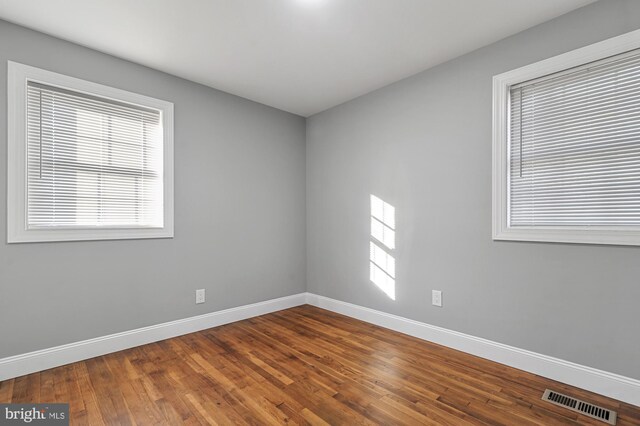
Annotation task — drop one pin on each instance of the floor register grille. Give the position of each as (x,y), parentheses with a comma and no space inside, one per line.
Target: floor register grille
(603,414)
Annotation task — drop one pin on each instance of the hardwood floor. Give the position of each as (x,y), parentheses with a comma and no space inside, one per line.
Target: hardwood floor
(301,366)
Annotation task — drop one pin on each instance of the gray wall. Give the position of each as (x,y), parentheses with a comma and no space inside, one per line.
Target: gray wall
(424,145)
(239,206)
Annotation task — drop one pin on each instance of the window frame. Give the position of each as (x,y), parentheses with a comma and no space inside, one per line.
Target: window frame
(622,235)
(17,230)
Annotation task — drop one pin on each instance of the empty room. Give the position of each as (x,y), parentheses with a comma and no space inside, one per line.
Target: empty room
(320,212)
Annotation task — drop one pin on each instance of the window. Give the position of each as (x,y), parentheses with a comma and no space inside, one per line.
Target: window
(567,147)
(86,161)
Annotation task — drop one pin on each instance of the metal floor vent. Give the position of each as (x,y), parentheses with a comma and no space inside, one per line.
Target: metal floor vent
(607,416)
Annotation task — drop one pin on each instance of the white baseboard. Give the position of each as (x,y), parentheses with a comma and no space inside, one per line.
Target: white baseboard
(609,384)
(31,362)
(604,383)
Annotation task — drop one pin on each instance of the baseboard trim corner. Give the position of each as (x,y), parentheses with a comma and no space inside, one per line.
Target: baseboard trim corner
(601,382)
(44,359)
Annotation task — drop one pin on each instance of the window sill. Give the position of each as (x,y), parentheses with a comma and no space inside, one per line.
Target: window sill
(53,235)
(586,235)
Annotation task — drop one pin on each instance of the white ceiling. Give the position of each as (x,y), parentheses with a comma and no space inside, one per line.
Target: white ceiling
(302,56)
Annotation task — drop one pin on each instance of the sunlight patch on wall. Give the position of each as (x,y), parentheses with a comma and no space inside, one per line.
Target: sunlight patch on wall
(383,233)
(382,266)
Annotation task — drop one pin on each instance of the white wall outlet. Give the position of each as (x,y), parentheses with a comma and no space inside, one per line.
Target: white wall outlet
(436,298)
(200,296)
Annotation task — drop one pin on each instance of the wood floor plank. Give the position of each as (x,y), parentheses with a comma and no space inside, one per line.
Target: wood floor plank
(6,391)
(303,365)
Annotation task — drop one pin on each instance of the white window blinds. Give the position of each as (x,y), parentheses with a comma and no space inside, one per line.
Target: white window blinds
(574,150)
(91,161)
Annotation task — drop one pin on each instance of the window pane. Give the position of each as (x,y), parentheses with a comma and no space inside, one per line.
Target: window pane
(575,147)
(92,162)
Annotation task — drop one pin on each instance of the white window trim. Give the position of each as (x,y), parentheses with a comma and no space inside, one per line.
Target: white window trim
(17,232)
(501,85)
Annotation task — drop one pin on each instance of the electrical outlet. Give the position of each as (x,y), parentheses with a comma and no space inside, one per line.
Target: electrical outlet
(200,296)
(436,298)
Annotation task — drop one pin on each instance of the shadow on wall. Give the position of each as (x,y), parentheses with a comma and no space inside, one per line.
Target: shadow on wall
(382,266)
